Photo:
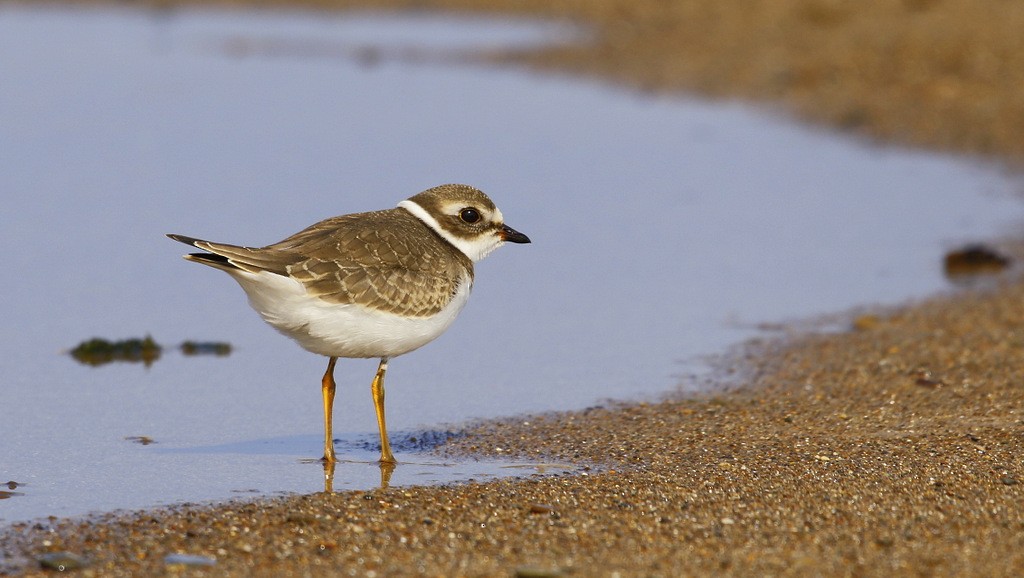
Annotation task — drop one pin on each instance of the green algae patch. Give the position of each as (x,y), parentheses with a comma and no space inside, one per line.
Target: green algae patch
(97,351)
(218,348)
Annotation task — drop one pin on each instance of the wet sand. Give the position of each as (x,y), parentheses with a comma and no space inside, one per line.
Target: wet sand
(891,449)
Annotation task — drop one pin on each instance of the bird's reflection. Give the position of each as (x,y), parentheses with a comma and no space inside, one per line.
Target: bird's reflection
(386,469)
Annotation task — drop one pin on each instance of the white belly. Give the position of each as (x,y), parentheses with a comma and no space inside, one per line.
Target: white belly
(337,330)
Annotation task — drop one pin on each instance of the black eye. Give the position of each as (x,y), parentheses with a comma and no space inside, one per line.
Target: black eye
(469,215)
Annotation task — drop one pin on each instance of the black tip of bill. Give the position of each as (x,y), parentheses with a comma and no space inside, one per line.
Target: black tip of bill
(513,236)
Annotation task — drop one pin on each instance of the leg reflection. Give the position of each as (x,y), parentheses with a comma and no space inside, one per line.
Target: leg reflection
(386,469)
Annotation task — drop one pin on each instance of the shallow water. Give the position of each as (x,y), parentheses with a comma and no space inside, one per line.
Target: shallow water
(664,230)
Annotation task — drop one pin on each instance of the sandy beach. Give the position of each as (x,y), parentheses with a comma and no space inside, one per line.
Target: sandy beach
(890,449)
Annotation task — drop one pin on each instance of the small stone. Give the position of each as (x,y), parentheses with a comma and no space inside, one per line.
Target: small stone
(866,322)
(1008,480)
(62,561)
(189,560)
(924,378)
(537,572)
(541,509)
(974,260)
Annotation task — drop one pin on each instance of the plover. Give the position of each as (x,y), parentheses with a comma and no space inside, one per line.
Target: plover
(371,285)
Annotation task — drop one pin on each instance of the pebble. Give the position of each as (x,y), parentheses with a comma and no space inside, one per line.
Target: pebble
(62,561)
(537,572)
(188,560)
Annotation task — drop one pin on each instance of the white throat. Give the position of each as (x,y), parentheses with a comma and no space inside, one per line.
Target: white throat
(476,248)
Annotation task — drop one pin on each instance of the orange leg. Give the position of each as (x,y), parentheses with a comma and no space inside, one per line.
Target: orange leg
(328,391)
(377,389)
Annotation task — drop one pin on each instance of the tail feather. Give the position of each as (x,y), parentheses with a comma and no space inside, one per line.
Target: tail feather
(185,239)
(213,260)
(229,257)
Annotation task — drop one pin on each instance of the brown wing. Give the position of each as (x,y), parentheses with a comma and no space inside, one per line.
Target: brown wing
(387,260)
